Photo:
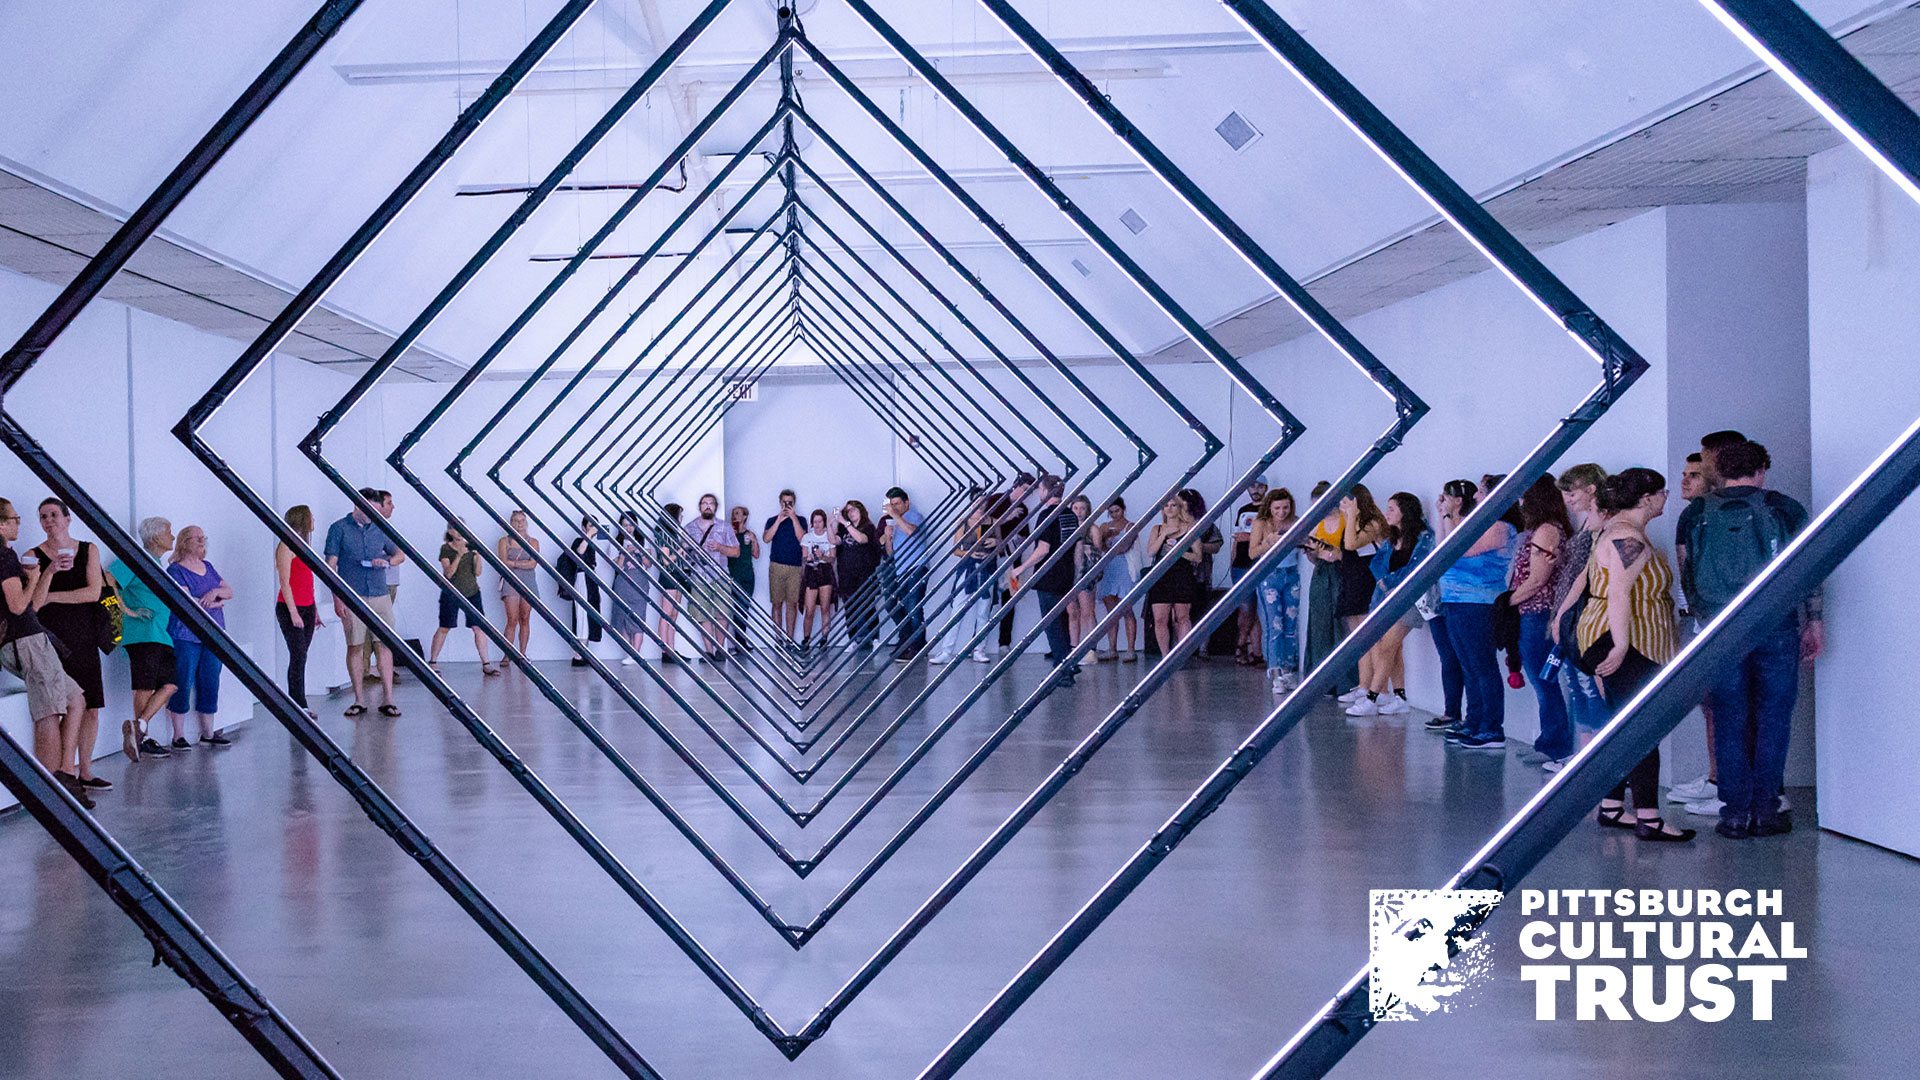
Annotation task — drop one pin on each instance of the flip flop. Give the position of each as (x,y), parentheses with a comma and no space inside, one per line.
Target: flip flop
(355,709)
(389,710)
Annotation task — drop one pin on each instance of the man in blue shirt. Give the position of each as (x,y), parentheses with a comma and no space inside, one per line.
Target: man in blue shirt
(360,550)
(907,550)
(782,537)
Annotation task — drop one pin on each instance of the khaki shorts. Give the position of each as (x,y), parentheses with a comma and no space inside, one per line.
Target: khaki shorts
(49,687)
(783,583)
(357,632)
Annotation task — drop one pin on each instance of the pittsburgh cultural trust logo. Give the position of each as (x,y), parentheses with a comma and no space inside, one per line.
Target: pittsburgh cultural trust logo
(1591,954)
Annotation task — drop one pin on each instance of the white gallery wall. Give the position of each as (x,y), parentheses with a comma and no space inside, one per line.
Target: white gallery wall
(1863,239)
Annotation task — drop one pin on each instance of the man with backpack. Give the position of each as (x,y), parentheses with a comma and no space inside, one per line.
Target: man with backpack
(1731,535)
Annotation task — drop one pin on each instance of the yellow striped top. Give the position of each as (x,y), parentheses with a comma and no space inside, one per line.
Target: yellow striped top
(1650,626)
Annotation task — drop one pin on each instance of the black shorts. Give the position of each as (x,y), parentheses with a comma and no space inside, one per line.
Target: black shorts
(151,664)
(450,610)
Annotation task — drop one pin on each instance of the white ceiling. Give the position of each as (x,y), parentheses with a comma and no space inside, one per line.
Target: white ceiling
(105,95)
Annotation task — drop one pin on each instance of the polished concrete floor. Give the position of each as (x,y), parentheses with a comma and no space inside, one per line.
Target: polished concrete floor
(1202,974)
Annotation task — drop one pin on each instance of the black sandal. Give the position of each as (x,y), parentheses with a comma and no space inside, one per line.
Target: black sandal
(1654,830)
(355,709)
(389,710)
(1614,817)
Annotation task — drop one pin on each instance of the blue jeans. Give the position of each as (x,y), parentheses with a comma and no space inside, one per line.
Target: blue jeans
(1470,629)
(1556,731)
(196,679)
(1752,718)
(971,610)
(1585,707)
(1279,597)
(1452,678)
(907,603)
(1059,641)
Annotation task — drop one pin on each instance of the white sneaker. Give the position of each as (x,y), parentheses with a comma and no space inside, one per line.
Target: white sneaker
(1554,764)
(982,656)
(936,659)
(626,661)
(1694,790)
(1363,707)
(1090,658)
(1353,695)
(1392,704)
(1704,807)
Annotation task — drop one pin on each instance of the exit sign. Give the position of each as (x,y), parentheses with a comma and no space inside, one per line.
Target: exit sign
(743,390)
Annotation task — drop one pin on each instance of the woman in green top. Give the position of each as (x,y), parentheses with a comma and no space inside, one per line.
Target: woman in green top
(143,633)
(461,564)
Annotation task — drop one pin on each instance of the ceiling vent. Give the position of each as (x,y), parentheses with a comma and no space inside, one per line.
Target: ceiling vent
(1082,267)
(1134,222)
(1237,132)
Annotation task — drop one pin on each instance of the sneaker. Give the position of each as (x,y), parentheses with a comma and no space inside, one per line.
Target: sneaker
(182,745)
(1129,657)
(1394,704)
(936,659)
(1483,742)
(1090,658)
(1532,757)
(217,739)
(1439,724)
(626,661)
(1693,790)
(1733,830)
(1363,707)
(1784,804)
(1554,765)
(150,748)
(1353,695)
(1775,826)
(1704,807)
(982,656)
(1457,731)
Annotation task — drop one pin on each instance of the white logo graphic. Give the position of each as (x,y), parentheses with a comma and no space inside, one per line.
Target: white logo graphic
(1421,957)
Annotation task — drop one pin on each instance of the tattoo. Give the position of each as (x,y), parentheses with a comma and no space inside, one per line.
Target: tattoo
(1629,548)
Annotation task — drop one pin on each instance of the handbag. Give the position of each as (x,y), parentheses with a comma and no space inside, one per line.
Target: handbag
(1588,660)
(111,622)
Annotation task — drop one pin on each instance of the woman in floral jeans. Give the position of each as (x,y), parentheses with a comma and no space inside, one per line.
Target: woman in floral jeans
(1279,592)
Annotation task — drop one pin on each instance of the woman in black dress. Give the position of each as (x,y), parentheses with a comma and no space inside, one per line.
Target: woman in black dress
(1363,526)
(857,558)
(72,615)
(1171,597)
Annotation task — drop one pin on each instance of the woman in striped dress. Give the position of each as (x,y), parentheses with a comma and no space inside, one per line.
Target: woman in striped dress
(1627,631)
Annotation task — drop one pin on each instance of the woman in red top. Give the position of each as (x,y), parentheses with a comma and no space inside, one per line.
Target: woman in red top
(293,607)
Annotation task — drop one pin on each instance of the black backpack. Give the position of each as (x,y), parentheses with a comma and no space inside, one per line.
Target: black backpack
(1732,540)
